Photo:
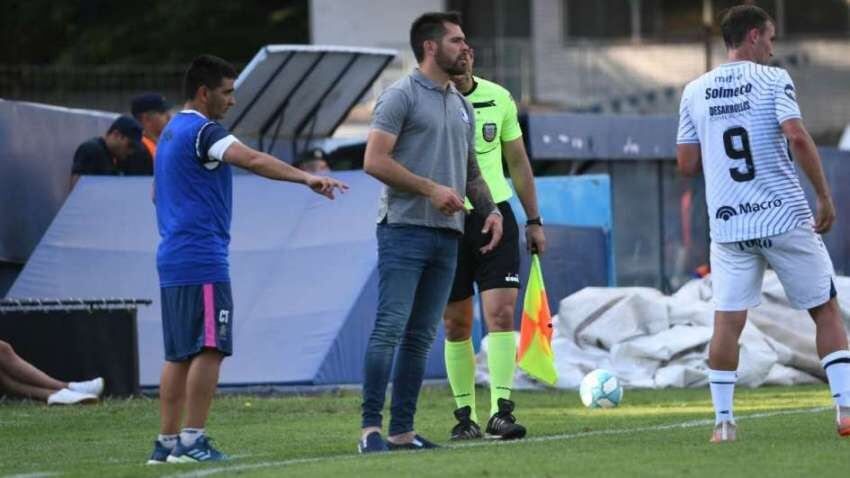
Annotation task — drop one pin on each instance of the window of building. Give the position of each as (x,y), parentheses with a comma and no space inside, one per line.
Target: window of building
(604,19)
(829,18)
(677,20)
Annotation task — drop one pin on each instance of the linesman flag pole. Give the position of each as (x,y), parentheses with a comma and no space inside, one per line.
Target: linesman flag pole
(535,354)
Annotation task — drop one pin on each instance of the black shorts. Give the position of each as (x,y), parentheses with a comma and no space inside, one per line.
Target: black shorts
(498,269)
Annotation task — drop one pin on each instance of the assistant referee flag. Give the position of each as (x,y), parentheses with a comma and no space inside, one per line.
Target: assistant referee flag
(535,354)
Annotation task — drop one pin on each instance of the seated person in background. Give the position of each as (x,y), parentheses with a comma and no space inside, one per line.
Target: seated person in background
(112,154)
(312,161)
(151,111)
(20,378)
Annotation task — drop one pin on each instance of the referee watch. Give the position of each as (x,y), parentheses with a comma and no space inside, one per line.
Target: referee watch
(534,222)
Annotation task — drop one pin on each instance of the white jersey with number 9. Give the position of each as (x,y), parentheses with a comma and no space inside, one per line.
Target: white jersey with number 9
(734,113)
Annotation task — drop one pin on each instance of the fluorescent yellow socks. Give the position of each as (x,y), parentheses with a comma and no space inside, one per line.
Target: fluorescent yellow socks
(501,360)
(460,367)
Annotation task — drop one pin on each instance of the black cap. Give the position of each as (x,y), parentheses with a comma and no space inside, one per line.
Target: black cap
(128,127)
(149,102)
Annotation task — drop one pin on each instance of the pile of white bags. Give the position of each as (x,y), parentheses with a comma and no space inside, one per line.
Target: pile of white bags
(650,340)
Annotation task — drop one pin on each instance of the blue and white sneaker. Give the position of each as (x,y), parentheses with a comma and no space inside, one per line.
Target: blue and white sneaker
(373,443)
(160,453)
(201,451)
(418,443)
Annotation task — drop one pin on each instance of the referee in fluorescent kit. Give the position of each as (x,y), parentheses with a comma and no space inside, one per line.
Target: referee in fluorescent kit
(497,272)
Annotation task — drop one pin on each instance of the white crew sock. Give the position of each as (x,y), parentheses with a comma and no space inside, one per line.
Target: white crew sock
(722,384)
(837,367)
(188,436)
(168,441)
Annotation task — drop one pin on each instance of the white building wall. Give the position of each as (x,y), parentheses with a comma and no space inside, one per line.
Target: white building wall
(371,23)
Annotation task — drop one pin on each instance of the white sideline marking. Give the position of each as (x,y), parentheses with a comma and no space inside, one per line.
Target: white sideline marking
(37,474)
(567,436)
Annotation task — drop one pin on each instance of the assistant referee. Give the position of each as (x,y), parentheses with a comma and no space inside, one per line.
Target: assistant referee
(497,272)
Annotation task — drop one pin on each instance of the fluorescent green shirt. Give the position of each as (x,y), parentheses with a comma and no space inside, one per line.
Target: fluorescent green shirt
(495,123)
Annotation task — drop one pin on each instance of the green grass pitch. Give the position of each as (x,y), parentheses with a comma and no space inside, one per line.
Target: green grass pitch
(783,431)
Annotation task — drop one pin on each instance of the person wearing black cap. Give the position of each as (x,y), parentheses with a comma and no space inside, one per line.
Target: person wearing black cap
(151,111)
(110,154)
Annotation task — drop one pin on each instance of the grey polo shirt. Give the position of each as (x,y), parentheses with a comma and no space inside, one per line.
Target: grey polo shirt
(435,130)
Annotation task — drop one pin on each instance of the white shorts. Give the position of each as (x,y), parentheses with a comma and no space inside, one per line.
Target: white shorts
(798,256)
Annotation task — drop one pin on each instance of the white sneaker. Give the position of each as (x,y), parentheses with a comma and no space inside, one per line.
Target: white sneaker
(843,419)
(91,387)
(70,397)
(724,432)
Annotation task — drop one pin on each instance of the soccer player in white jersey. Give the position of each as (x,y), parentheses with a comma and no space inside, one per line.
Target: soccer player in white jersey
(740,120)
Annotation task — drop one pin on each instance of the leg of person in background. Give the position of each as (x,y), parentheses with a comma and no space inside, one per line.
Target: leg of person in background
(201,380)
(723,362)
(13,386)
(22,378)
(460,367)
(499,306)
(172,397)
(831,340)
(201,383)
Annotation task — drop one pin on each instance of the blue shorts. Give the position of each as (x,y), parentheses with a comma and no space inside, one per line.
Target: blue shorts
(196,317)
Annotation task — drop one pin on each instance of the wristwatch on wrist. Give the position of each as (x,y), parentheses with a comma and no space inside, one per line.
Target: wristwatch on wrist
(534,222)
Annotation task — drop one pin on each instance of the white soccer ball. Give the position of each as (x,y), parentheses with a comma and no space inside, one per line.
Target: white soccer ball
(600,389)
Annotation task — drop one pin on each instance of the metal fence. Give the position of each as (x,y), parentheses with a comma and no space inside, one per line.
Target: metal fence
(107,88)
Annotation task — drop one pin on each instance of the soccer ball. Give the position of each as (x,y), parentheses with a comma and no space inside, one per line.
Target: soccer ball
(600,389)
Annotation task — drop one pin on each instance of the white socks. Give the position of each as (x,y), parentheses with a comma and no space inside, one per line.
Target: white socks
(168,441)
(722,384)
(188,436)
(837,367)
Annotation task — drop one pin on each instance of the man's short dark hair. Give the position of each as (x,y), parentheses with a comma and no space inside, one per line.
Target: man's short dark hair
(429,26)
(740,20)
(127,127)
(206,70)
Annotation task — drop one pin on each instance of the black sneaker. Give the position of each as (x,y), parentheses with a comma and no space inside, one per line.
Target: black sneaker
(418,443)
(465,429)
(373,443)
(503,425)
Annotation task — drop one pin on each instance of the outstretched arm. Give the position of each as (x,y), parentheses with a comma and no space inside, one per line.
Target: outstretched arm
(270,167)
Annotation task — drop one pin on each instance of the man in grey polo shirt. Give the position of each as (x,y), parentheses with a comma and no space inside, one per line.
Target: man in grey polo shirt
(422,147)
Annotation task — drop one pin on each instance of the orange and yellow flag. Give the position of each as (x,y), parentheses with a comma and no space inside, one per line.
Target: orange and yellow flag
(535,354)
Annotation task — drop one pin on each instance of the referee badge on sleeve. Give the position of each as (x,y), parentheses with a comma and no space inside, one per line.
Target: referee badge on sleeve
(489,132)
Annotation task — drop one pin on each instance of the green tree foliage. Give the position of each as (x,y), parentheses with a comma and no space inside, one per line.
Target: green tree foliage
(113,32)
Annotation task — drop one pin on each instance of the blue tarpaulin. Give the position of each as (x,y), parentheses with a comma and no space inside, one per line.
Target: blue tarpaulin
(303,271)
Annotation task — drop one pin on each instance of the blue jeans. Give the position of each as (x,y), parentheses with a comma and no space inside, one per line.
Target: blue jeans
(416,266)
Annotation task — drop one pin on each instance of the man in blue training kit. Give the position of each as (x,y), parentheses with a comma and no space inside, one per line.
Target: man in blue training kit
(193,209)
